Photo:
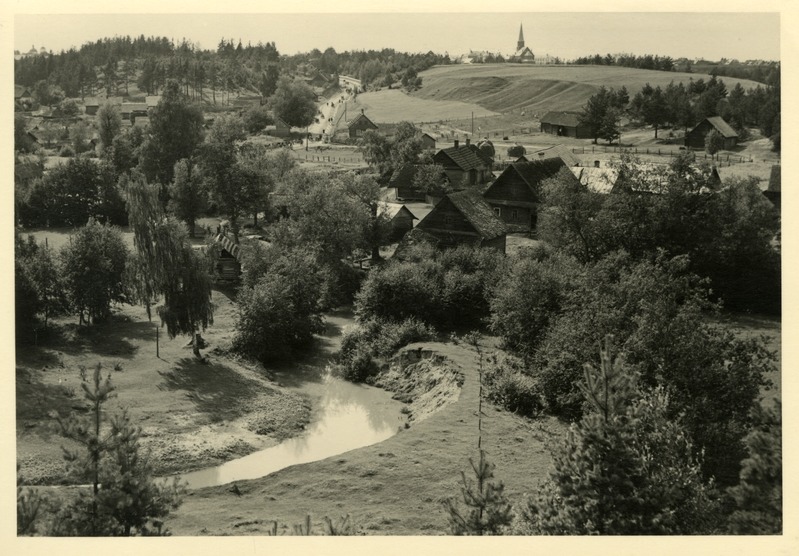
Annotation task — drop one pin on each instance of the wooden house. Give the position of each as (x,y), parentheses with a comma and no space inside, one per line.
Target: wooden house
(696,137)
(278,129)
(91,106)
(774,191)
(359,124)
(130,110)
(464,218)
(400,217)
(464,164)
(515,195)
(428,141)
(564,124)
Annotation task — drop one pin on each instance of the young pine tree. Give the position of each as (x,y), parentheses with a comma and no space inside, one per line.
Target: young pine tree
(625,469)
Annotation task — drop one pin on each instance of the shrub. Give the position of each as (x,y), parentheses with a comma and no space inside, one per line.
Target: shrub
(66,150)
(508,386)
(516,151)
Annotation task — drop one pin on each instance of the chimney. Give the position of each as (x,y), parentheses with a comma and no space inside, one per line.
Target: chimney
(361,110)
(467,141)
(596,164)
(456,143)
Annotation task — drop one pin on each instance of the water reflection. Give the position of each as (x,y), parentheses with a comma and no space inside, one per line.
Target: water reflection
(348,416)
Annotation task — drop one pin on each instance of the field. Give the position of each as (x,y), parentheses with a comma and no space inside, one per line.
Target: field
(392,105)
(538,89)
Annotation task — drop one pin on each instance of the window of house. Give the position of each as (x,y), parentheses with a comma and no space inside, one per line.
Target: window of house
(497,211)
(514,215)
(448,220)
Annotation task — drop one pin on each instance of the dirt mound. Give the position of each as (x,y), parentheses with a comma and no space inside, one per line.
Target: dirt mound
(424,380)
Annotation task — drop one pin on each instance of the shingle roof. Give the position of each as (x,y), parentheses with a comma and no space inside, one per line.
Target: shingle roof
(722,127)
(392,209)
(464,157)
(561,151)
(478,213)
(568,119)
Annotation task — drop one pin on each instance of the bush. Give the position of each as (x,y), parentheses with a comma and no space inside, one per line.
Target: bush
(66,150)
(508,386)
(376,338)
(516,151)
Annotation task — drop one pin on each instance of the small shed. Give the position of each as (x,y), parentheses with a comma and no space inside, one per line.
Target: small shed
(428,141)
(359,124)
(564,124)
(278,129)
(228,262)
(696,137)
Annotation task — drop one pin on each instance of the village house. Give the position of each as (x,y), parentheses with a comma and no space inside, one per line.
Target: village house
(696,137)
(428,141)
(278,129)
(515,195)
(130,110)
(464,164)
(564,124)
(358,125)
(464,218)
(400,217)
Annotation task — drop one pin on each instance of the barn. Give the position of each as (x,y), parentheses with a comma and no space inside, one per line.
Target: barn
(400,217)
(696,137)
(516,193)
(564,124)
(464,218)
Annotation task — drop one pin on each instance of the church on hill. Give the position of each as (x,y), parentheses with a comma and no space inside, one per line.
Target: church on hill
(523,53)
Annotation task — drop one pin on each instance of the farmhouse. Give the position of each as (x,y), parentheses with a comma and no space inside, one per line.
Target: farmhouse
(130,110)
(464,165)
(515,195)
(696,137)
(464,218)
(359,124)
(564,124)
(400,217)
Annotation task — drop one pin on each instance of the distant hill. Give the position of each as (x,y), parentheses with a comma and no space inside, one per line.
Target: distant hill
(512,87)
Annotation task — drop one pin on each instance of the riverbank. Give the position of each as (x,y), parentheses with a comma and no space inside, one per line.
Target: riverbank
(193,414)
(394,487)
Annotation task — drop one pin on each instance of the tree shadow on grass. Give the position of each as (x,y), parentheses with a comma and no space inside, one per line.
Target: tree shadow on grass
(37,399)
(215,389)
(111,338)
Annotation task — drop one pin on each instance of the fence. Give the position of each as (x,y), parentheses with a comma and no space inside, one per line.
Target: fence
(330,158)
(729,159)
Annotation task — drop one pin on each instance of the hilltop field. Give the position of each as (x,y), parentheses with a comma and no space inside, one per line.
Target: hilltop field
(515,87)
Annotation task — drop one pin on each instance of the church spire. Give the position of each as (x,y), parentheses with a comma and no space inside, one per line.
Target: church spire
(520,42)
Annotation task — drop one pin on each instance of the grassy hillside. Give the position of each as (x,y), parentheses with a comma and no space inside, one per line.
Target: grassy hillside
(392,105)
(513,87)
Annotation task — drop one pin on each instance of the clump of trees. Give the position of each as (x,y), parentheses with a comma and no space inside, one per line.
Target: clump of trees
(602,112)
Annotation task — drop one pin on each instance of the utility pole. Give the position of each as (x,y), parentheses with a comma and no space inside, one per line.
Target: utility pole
(472,124)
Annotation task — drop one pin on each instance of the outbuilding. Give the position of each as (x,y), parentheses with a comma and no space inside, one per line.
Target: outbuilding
(358,125)
(564,124)
(696,137)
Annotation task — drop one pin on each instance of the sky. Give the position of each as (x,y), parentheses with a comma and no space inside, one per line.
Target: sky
(709,35)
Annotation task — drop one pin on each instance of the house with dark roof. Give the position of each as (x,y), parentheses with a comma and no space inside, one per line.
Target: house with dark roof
(359,124)
(564,124)
(428,141)
(774,191)
(696,137)
(464,164)
(91,106)
(278,129)
(464,218)
(515,195)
